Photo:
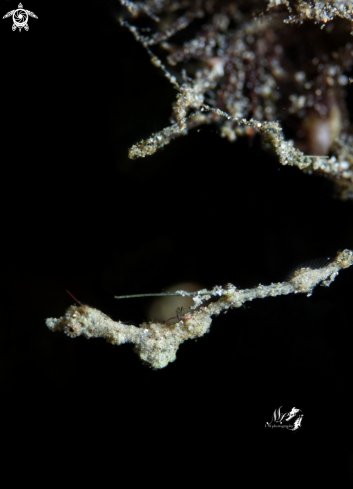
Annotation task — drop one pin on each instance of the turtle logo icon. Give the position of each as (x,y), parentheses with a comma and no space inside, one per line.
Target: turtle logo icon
(20,17)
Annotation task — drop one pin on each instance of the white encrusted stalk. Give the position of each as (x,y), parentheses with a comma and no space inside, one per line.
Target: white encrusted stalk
(157,344)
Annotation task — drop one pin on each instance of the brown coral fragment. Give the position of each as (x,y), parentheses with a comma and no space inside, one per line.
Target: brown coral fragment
(265,66)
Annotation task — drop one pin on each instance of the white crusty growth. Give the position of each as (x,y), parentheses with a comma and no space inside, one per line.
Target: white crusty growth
(157,344)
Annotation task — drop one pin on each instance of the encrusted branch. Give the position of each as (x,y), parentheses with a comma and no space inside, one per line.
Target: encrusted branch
(244,64)
(157,344)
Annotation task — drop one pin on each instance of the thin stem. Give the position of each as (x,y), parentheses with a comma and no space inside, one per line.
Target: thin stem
(74,298)
(163,294)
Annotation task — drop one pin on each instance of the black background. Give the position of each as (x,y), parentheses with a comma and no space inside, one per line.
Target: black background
(77,214)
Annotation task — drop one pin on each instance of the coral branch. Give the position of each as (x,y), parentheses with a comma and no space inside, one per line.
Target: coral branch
(255,68)
(157,345)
